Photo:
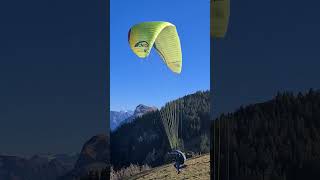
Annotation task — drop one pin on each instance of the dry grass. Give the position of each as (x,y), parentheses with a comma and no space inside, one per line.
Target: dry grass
(127,172)
(197,168)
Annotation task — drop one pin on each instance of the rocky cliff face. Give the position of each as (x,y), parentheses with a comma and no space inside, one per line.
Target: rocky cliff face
(143,109)
(94,156)
(139,111)
(94,150)
(118,118)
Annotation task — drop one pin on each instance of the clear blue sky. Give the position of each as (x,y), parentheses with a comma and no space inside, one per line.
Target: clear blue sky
(134,80)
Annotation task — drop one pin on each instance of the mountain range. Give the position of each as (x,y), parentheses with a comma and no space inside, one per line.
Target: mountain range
(116,117)
(38,167)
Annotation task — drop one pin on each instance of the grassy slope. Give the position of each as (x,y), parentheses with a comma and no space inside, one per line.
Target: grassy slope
(197,168)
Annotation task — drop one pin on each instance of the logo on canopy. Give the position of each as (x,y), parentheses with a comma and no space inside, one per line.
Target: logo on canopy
(142,44)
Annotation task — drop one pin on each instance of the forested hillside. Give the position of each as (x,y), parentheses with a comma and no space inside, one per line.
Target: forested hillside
(145,141)
(278,139)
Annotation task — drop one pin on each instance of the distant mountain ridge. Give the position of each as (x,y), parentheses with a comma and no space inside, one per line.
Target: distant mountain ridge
(37,167)
(117,118)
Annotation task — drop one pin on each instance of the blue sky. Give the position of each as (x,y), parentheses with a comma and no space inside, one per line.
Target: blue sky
(134,80)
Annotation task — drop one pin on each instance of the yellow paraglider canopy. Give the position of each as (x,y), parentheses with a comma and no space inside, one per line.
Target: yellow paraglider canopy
(219,17)
(163,37)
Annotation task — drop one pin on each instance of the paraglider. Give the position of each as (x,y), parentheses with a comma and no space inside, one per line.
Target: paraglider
(171,117)
(179,158)
(163,37)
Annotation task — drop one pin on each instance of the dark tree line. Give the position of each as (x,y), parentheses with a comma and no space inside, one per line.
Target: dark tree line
(278,139)
(97,175)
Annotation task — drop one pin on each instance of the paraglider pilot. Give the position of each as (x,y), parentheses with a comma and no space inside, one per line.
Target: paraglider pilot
(179,159)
